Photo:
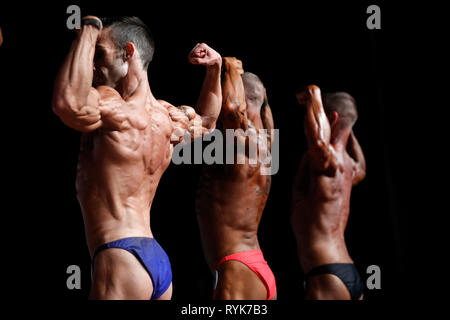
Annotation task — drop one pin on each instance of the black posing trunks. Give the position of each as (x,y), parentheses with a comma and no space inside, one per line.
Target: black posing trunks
(348,274)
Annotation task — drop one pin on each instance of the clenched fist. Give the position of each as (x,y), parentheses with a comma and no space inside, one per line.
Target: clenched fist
(305,95)
(204,55)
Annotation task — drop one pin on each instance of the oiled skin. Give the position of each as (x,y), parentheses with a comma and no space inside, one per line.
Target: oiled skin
(126,146)
(231,197)
(333,163)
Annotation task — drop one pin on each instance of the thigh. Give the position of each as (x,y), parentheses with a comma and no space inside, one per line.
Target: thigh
(118,274)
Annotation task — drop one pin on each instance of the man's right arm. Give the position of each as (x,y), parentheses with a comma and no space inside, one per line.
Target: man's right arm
(318,132)
(75,101)
(234,107)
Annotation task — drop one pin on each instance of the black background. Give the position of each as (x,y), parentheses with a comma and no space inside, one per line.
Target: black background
(287,46)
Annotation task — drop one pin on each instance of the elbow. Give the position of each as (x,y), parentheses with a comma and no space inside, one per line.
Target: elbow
(58,107)
(362,173)
(359,176)
(63,103)
(209,122)
(320,146)
(362,168)
(229,106)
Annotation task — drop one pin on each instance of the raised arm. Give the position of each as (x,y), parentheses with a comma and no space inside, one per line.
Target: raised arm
(201,120)
(318,131)
(359,162)
(234,107)
(210,99)
(75,101)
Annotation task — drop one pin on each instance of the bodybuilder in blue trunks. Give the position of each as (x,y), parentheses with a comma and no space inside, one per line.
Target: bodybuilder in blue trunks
(102,90)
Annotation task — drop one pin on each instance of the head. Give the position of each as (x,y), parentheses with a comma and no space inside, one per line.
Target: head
(125,44)
(254,90)
(341,111)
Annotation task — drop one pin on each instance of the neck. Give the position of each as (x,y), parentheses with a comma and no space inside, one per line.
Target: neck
(253,112)
(127,87)
(340,138)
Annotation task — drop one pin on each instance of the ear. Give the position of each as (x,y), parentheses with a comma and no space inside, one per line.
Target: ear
(334,118)
(129,51)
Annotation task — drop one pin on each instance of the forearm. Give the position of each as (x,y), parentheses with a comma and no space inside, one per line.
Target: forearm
(318,131)
(74,81)
(266,113)
(355,151)
(210,100)
(234,104)
(317,125)
(267,120)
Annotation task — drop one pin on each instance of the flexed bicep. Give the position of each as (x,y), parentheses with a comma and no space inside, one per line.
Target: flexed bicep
(85,118)
(75,101)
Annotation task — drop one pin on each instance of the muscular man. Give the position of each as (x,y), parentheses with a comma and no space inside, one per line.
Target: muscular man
(103,91)
(333,164)
(231,197)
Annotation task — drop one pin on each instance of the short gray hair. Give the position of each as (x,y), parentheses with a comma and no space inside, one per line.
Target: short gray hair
(345,106)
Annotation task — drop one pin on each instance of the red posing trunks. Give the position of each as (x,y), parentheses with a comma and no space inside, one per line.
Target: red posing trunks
(253,259)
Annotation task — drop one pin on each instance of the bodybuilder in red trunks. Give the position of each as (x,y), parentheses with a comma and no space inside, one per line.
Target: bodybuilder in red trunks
(333,164)
(231,197)
(102,90)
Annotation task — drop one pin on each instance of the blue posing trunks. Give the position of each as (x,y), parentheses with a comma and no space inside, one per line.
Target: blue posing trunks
(152,257)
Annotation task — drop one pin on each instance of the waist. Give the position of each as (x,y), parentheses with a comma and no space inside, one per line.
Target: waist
(217,245)
(109,208)
(125,242)
(319,252)
(100,230)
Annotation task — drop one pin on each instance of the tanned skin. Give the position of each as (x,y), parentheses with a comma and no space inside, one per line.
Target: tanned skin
(126,145)
(231,197)
(1,37)
(333,164)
